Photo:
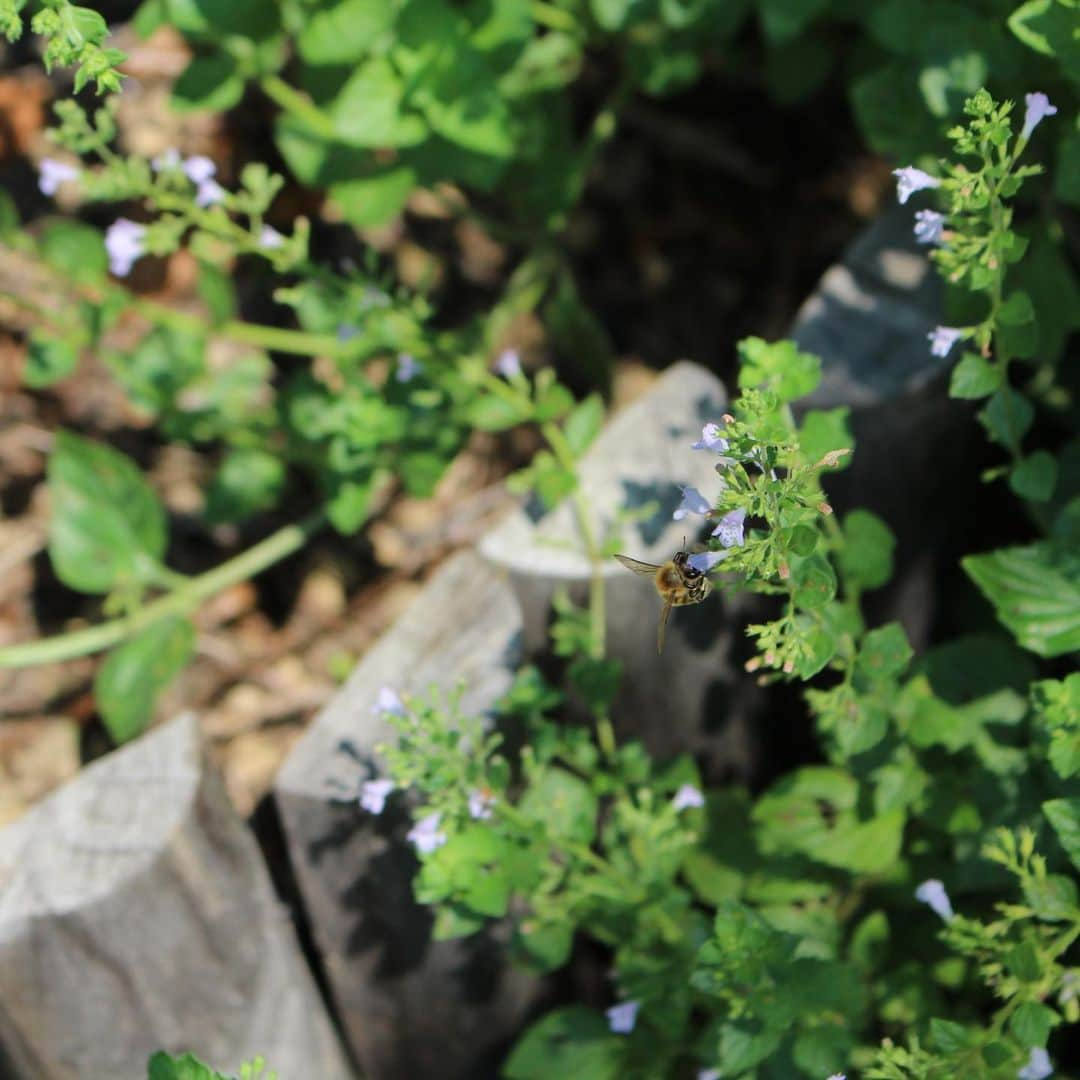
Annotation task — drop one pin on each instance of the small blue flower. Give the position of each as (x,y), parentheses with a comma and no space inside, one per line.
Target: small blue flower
(686,798)
(51,174)
(730,530)
(374,793)
(704,561)
(270,238)
(209,193)
(508,364)
(1038,108)
(693,502)
(943,338)
(711,439)
(708,1074)
(198,168)
(125,241)
(909,180)
(407,368)
(621,1018)
(480,804)
(928,226)
(932,892)
(425,835)
(837,1076)
(388,703)
(1039,1066)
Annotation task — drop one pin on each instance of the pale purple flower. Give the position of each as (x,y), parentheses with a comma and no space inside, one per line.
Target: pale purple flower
(425,835)
(932,892)
(198,169)
(374,793)
(711,439)
(730,530)
(389,703)
(708,1074)
(909,180)
(1038,108)
(508,364)
(943,338)
(704,561)
(621,1018)
(209,193)
(407,368)
(51,174)
(693,502)
(270,238)
(1038,1066)
(686,798)
(480,804)
(928,226)
(125,241)
(168,159)
(837,1076)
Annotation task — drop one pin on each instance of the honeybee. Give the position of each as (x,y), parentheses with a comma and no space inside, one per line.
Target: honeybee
(677,582)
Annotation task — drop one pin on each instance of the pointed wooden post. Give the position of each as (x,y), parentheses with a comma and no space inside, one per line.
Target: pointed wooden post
(136,915)
(411,1007)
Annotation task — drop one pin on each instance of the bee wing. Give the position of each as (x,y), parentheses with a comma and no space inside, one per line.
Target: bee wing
(661,627)
(644,568)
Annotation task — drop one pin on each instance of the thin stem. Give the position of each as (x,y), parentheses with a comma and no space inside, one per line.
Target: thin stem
(299,105)
(181,600)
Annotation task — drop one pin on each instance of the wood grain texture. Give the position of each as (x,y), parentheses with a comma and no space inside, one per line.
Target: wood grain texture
(411,1007)
(136,914)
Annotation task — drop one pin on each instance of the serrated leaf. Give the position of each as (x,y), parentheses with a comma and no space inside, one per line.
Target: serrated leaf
(1017,310)
(570,1042)
(1032,1023)
(163,1066)
(1034,595)
(376,198)
(563,804)
(76,250)
(246,481)
(106,523)
(1064,816)
(885,652)
(778,366)
(823,430)
(1007,417)
(133,674)
(343,32)
(371,109)
(1052,898)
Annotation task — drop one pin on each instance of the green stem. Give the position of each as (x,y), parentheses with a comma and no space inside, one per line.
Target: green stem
(299,105)
(181,600)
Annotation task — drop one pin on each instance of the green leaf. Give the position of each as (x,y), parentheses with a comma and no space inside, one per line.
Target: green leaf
(784,19)
(76,250)
(162,1066)
(975,665)
(1007,417)
(974,377)
(210,83)
(344,32)
(347,504)
(563,804)
(823,430)
(573,1042)
(885,652)
(132,675)
(821,1050)
(1052,898)
(1064,816)
(371,109)
(869,945)
(1035,594)
(543,946)
(584,424)
(376,198)
(107,525)
(612,15)
(814,581)
(1057,709)
(246,481)
(1034,476)
(779,367)
(746,1043)
(866,559)
(1017,310)
(491,413)
(1032,1023)
(48,360)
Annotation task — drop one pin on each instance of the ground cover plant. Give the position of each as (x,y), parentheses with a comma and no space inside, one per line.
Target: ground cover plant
(904,904)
